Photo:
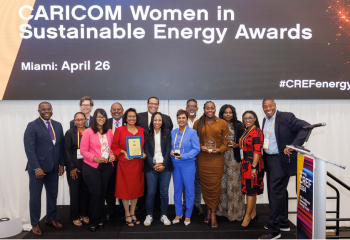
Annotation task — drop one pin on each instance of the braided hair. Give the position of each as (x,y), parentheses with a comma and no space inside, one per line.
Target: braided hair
(201,122)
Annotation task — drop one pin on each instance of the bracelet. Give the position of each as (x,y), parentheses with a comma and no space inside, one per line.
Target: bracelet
(252,167)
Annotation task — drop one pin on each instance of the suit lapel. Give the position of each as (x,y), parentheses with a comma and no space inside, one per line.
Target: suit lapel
(43,127)
(277,122)
(152,144)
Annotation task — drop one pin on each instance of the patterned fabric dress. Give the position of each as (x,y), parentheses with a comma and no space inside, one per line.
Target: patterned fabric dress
(252,143)
(232,203)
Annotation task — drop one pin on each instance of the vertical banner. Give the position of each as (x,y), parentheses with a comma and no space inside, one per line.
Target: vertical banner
(305,194)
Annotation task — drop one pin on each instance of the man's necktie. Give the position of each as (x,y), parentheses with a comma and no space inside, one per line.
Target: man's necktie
(87,123)
(50,130)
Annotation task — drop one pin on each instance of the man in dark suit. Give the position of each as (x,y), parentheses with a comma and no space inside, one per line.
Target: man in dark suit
(116,121)
(280,129)
(143,120)
(86,105)
(43,143)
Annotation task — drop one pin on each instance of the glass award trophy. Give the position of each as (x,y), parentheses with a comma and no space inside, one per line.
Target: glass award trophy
(178,150)
(210,144)
(230,139)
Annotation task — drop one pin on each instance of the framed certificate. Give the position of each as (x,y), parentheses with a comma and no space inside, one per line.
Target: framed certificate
(134,147)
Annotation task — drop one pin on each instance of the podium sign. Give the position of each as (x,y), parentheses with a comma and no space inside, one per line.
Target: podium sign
(305,196)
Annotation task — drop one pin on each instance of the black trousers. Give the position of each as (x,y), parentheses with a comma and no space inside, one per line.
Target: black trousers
(97,181)
(277,182)
(79,196)
(110,199)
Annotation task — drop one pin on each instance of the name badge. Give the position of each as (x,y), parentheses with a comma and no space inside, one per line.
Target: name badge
(79,156)
(159,158)
(266,144)
(241,152)
(105,155)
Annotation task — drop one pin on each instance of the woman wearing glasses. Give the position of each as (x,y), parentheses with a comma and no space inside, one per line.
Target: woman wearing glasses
(130,180)
(252,165)
(78,191)
(211,131)
(98,165)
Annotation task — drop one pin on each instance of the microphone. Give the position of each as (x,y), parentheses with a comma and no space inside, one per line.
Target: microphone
(314,126)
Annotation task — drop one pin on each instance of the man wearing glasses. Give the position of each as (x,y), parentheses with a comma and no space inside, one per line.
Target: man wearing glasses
(192,108)
(143,120)
(279,129)
(43,144)
(86,105)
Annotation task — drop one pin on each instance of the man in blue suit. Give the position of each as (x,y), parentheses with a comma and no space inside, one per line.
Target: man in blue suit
(280,129)
(43,143)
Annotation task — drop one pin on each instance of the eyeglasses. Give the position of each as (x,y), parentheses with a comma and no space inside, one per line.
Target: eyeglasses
(46,110)
(80,120)
(86,105)
(191,106)
(101,117)
(153,104)
(116,109)
(248,118)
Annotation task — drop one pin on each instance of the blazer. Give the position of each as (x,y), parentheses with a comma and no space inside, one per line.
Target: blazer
(289,131)
(149,151)
(90,146)
(110,123)
(190,142)
(142,121)
(70,149)
(39,148)
(71,123)
(238,134)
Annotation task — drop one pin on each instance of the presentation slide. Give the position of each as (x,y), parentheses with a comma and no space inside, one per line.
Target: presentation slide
(202,49)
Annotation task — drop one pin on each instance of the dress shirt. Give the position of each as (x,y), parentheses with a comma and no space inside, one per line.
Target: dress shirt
(157,143)
(115,123)
(273,148)
(149,118)
(190,123)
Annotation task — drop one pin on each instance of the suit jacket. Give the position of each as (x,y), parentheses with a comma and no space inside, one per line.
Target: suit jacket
(110,123)
(149,151)
(71,123)
(238,134)
(289,131)
(39,148)
(70,149)
(142,121)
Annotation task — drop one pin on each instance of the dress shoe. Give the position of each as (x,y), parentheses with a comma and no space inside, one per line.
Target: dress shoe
(101,226)
(245,227)
(92,229)
(256,218)
(270,236)
(110,216)
(77,223)
(54,224)
(198,210)
(37,230)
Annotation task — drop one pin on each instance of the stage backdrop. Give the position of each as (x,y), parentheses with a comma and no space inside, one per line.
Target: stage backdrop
(225,49)
(330,142)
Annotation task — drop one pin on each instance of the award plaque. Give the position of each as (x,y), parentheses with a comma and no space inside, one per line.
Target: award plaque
(210,144)
(178,150)
(134,147)
(230,138)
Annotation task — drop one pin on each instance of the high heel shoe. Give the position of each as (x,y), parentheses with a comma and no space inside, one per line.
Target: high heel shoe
(177,220)
(246,227)
(208,217)
(256,218)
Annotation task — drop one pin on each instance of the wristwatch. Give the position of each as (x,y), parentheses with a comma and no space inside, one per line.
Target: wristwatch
(252,167)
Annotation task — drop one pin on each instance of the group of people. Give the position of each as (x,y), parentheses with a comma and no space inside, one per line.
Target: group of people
(221,158)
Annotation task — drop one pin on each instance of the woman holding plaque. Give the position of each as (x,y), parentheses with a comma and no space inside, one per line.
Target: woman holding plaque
(185,148)
(128,146)
(158,166)
(78,190)
(211,131)
(232,200)
(252,165)
(98,165)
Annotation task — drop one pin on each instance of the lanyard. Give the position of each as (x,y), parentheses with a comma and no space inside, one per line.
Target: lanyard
(78,139)
(271,126)
(183,134)
(54,134)
(100,138)
(244,136)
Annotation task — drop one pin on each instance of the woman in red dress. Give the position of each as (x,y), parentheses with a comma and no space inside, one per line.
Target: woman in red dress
(130,176)
(252,165)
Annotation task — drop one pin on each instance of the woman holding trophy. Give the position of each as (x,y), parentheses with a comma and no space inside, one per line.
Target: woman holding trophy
(185,147)
(232,200)
(158,166)
(211,131)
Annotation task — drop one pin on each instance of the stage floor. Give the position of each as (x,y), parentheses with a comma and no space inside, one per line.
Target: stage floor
(116,228)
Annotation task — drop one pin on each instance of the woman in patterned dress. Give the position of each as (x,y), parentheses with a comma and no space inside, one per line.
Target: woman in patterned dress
(232,200)
(252,165)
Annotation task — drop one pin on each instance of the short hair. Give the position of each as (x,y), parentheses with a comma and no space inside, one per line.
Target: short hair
(126,114)
(152,97)
(79,113)
(180,112)
(267,99)
(43,103)
(191,100)
(86,98)
(255,116)
(117,103)
(105,126)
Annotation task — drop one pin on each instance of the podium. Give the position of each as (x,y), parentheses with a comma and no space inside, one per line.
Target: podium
(315,225)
